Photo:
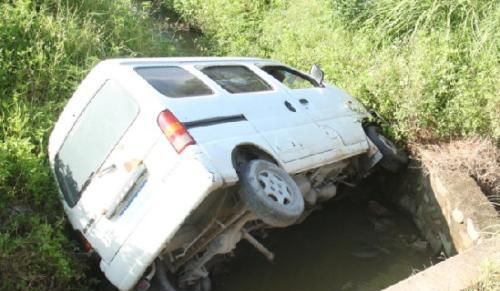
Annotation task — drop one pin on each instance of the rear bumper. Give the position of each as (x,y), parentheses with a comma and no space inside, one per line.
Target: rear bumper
(182,191)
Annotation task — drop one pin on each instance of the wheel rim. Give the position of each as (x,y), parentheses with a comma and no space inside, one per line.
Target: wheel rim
(274,188)
(388,144)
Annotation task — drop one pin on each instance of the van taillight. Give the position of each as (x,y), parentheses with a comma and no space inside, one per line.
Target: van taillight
(175,132)
(86,246)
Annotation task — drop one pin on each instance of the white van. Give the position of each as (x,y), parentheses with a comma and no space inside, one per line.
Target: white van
(165,163)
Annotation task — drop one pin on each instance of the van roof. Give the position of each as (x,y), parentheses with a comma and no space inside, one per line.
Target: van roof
(134,62)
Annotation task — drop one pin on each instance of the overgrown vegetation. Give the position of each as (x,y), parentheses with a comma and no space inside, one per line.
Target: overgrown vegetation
(429,67)
(46,47)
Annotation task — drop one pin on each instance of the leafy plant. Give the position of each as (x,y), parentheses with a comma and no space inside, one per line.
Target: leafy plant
(46,49)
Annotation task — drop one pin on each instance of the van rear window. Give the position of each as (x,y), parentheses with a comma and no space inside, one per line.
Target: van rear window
(174,81)
(99,128)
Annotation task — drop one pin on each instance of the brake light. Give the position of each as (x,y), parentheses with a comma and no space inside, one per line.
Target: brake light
(86,246)
(174,131)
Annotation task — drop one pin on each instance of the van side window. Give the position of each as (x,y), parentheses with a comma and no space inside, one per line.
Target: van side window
(236,79)
(174,81)
(290,78)
(96,132)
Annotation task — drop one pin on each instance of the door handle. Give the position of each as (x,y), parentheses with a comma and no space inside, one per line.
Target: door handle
(290,106)
(127,189)
(304,101)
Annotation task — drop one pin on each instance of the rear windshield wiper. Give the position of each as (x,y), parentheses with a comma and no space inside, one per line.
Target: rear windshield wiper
(87,182)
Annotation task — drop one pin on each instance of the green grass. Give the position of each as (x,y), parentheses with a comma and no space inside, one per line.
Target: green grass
(46,48)
(429,67)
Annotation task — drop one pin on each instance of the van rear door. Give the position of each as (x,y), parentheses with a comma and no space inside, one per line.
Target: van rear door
(100,164)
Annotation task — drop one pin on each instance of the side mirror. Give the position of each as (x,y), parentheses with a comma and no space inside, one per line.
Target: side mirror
(317,74)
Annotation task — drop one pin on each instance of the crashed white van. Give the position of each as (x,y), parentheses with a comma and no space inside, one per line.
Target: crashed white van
(165,163)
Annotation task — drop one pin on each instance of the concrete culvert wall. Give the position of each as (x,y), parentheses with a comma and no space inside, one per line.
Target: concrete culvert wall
(455,217)
(448,207)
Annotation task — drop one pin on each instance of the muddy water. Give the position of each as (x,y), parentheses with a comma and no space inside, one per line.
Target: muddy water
(344,246)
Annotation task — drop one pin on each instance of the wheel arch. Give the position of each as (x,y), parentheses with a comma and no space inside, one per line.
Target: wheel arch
(246,152)
(367,122)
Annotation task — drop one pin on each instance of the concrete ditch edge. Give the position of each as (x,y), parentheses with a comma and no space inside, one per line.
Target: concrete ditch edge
(456,273)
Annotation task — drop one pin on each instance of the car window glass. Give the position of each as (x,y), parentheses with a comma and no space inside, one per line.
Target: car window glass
(290,78)
(96,132)
(236,79)
(174,81)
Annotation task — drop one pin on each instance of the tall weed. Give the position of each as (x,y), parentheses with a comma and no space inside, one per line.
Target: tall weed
(430,67)
(46,47)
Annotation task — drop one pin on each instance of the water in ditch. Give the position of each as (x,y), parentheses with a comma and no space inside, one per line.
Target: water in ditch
(351,244)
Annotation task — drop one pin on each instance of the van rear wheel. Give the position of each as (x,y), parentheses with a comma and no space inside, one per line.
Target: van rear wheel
(270,193)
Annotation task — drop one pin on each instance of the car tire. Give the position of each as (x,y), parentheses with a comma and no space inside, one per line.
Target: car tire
(394,159)
(270,193)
